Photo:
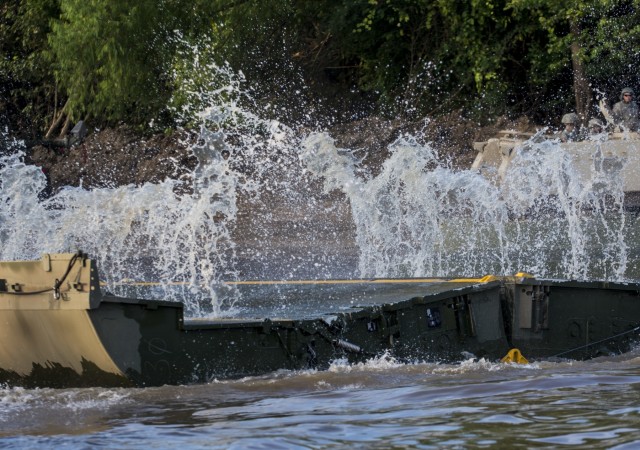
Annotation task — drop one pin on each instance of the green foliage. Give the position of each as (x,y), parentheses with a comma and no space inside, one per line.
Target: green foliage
(110,57)
(613,46)
(421,53)
(201,80)
(124,60)
(25,78)
(606,33)
(265,40)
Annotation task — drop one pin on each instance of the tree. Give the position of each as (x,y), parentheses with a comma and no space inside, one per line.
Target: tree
(113,58)
(612,46)
(120,60)
(26,81)
(576,34)
(432,55)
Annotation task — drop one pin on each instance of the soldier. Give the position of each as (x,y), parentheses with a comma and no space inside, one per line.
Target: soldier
(570,132)
(595,127)
(597,131)
(625,112)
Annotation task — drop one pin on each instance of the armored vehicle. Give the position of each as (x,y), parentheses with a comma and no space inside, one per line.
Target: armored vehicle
(60,330)
(613,154)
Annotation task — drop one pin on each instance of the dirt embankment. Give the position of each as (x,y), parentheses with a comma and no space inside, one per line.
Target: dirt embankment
(115,157)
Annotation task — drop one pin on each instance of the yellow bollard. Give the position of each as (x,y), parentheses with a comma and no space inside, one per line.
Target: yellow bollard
(514,356)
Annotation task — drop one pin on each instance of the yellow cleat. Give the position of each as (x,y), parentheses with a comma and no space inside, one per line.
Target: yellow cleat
(514,356)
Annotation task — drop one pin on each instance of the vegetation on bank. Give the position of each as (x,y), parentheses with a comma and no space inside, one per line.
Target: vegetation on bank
(114,61)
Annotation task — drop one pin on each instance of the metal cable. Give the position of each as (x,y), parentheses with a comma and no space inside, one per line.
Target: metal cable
(58,282)
(635,329)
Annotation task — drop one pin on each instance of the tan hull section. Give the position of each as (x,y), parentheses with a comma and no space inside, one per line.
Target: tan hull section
(45,327)
(44,338)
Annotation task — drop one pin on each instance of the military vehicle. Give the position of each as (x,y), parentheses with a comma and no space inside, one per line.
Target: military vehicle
(60,330)
(615,154)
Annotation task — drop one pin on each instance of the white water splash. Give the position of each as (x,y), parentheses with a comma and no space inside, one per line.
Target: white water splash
(381,362)
(419,218)
(577,218)
(135,233)
(151,232)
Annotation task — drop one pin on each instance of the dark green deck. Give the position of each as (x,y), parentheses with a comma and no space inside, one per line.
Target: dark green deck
(298,300)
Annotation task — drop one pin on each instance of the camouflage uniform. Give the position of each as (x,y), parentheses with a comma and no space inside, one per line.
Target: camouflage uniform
(573,135)
(625,114)
(597,131)
(596,126)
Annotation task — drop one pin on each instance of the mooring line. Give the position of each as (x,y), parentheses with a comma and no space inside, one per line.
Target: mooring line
(634,329)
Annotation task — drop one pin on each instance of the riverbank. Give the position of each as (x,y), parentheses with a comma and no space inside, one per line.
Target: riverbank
(120,156)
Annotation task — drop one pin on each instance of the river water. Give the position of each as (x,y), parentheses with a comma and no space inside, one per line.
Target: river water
(286,206)
(475,404)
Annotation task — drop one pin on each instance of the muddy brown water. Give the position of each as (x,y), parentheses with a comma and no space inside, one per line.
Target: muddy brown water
(381,404)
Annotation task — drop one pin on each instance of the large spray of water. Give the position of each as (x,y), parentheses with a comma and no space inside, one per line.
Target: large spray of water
(419,218)
(416,217)
(154,232)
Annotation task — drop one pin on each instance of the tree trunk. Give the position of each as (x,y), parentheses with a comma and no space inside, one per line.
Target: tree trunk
(57,120)
(581,88)
(65,127)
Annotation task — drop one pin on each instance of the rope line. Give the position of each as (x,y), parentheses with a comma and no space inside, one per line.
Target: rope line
(634,329)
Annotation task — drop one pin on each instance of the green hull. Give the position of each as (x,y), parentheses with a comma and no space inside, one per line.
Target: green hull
(72,335)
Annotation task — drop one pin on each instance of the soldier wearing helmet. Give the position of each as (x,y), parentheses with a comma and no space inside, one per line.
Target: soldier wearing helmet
(625,112)
(597,130)
(595,126)
(570,132)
